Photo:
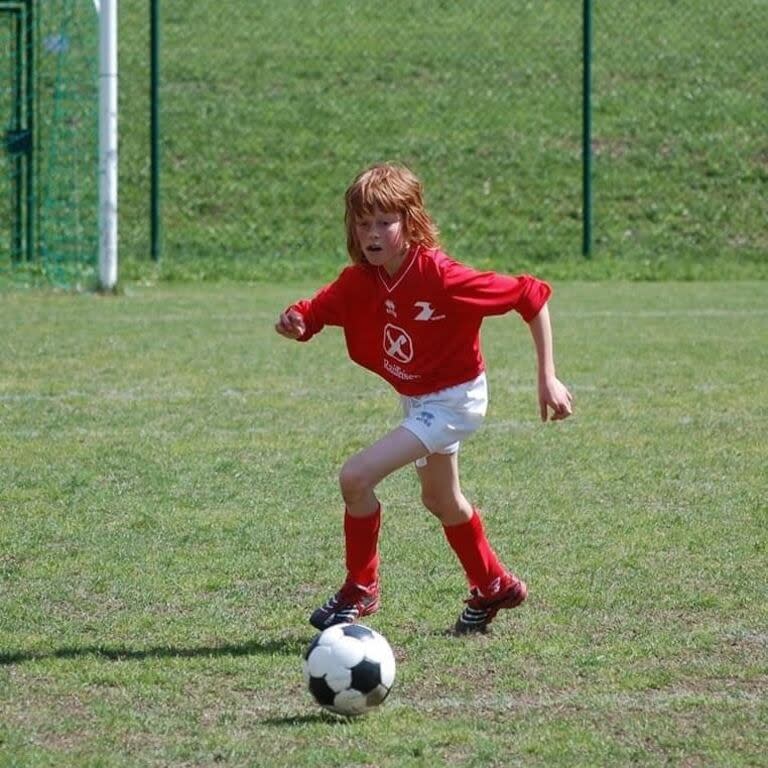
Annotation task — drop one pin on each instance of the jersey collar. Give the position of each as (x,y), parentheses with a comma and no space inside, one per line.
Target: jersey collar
(390,283)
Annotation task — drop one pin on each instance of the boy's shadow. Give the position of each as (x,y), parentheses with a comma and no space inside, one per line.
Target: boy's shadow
(285,646)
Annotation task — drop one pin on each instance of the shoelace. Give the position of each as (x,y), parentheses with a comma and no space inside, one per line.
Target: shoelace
(349,594)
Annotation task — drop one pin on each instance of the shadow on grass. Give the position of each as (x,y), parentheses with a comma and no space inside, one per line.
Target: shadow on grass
(326,718)
(287,646)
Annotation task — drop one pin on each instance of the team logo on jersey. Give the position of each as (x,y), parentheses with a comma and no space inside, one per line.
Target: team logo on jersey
(427,311)
(389,305)
(398,344)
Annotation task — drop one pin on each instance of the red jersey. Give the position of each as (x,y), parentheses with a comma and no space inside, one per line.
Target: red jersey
(419,329)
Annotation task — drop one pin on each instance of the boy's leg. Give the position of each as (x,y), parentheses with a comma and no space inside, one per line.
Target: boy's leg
(365,470)
(492,586)
(359,596)
(358,478)
(463,527)
(441,490)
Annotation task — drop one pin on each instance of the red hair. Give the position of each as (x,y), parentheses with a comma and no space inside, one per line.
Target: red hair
(393,189)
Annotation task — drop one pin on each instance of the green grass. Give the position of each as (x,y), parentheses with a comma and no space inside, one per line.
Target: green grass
(268,113)
(264,132)
(271,112)
(170,515)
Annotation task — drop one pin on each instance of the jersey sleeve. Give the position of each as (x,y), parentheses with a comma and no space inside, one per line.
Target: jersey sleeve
(326,307)
(491,293)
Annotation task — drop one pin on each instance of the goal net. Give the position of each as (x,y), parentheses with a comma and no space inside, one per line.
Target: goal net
(49,155)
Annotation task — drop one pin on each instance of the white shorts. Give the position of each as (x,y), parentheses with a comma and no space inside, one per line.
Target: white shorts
(441,420)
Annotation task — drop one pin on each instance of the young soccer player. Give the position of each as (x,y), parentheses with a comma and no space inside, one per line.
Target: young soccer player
(412,315)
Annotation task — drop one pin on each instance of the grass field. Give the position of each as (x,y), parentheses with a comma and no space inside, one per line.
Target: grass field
(170,515)
(169,511)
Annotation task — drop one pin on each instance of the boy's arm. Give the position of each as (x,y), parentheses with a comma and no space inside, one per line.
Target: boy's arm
(306,317)
(552,392)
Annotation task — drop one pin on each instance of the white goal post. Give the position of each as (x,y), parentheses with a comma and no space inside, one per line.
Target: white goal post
(107,10)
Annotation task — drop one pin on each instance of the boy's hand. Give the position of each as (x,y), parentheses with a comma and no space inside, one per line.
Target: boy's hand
(555,395)
(290,324)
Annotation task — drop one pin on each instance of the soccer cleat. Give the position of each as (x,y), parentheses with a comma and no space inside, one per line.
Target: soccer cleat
(349,604)
(480,611)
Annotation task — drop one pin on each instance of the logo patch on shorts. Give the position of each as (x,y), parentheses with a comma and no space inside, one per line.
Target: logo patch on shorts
(426,418)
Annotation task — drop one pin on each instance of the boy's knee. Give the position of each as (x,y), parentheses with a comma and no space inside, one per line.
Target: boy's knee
(439,504)
(446,507)
(354,480)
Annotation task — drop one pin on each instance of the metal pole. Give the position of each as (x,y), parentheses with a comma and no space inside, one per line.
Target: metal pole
(35,130)
(18,20)
(586,246)
(108,144)
(154,101)
(31,158)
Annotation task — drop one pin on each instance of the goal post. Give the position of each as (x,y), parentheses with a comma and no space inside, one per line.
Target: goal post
(58,142)
(107,10)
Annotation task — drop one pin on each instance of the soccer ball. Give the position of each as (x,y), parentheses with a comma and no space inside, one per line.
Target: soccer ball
(349,669)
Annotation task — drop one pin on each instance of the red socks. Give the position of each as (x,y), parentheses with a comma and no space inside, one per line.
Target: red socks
(468,541)
(361,538)
(480,562)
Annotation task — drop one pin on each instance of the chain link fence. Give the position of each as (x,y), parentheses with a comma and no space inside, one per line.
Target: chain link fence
(681,101)
(267,111)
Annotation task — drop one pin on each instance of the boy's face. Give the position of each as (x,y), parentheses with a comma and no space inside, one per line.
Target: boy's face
(382,238)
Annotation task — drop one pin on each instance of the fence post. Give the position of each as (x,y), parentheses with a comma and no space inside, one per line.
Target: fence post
(154,101)
(586,246)
(31,88)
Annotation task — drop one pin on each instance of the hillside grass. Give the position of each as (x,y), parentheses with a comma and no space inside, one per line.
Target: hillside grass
(267,114)
(267,111)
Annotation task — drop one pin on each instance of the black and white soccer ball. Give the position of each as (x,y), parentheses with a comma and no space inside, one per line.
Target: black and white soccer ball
(349,669)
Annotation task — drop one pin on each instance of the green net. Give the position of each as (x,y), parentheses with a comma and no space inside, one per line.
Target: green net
(680,144)
(49,109)
(68,76)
